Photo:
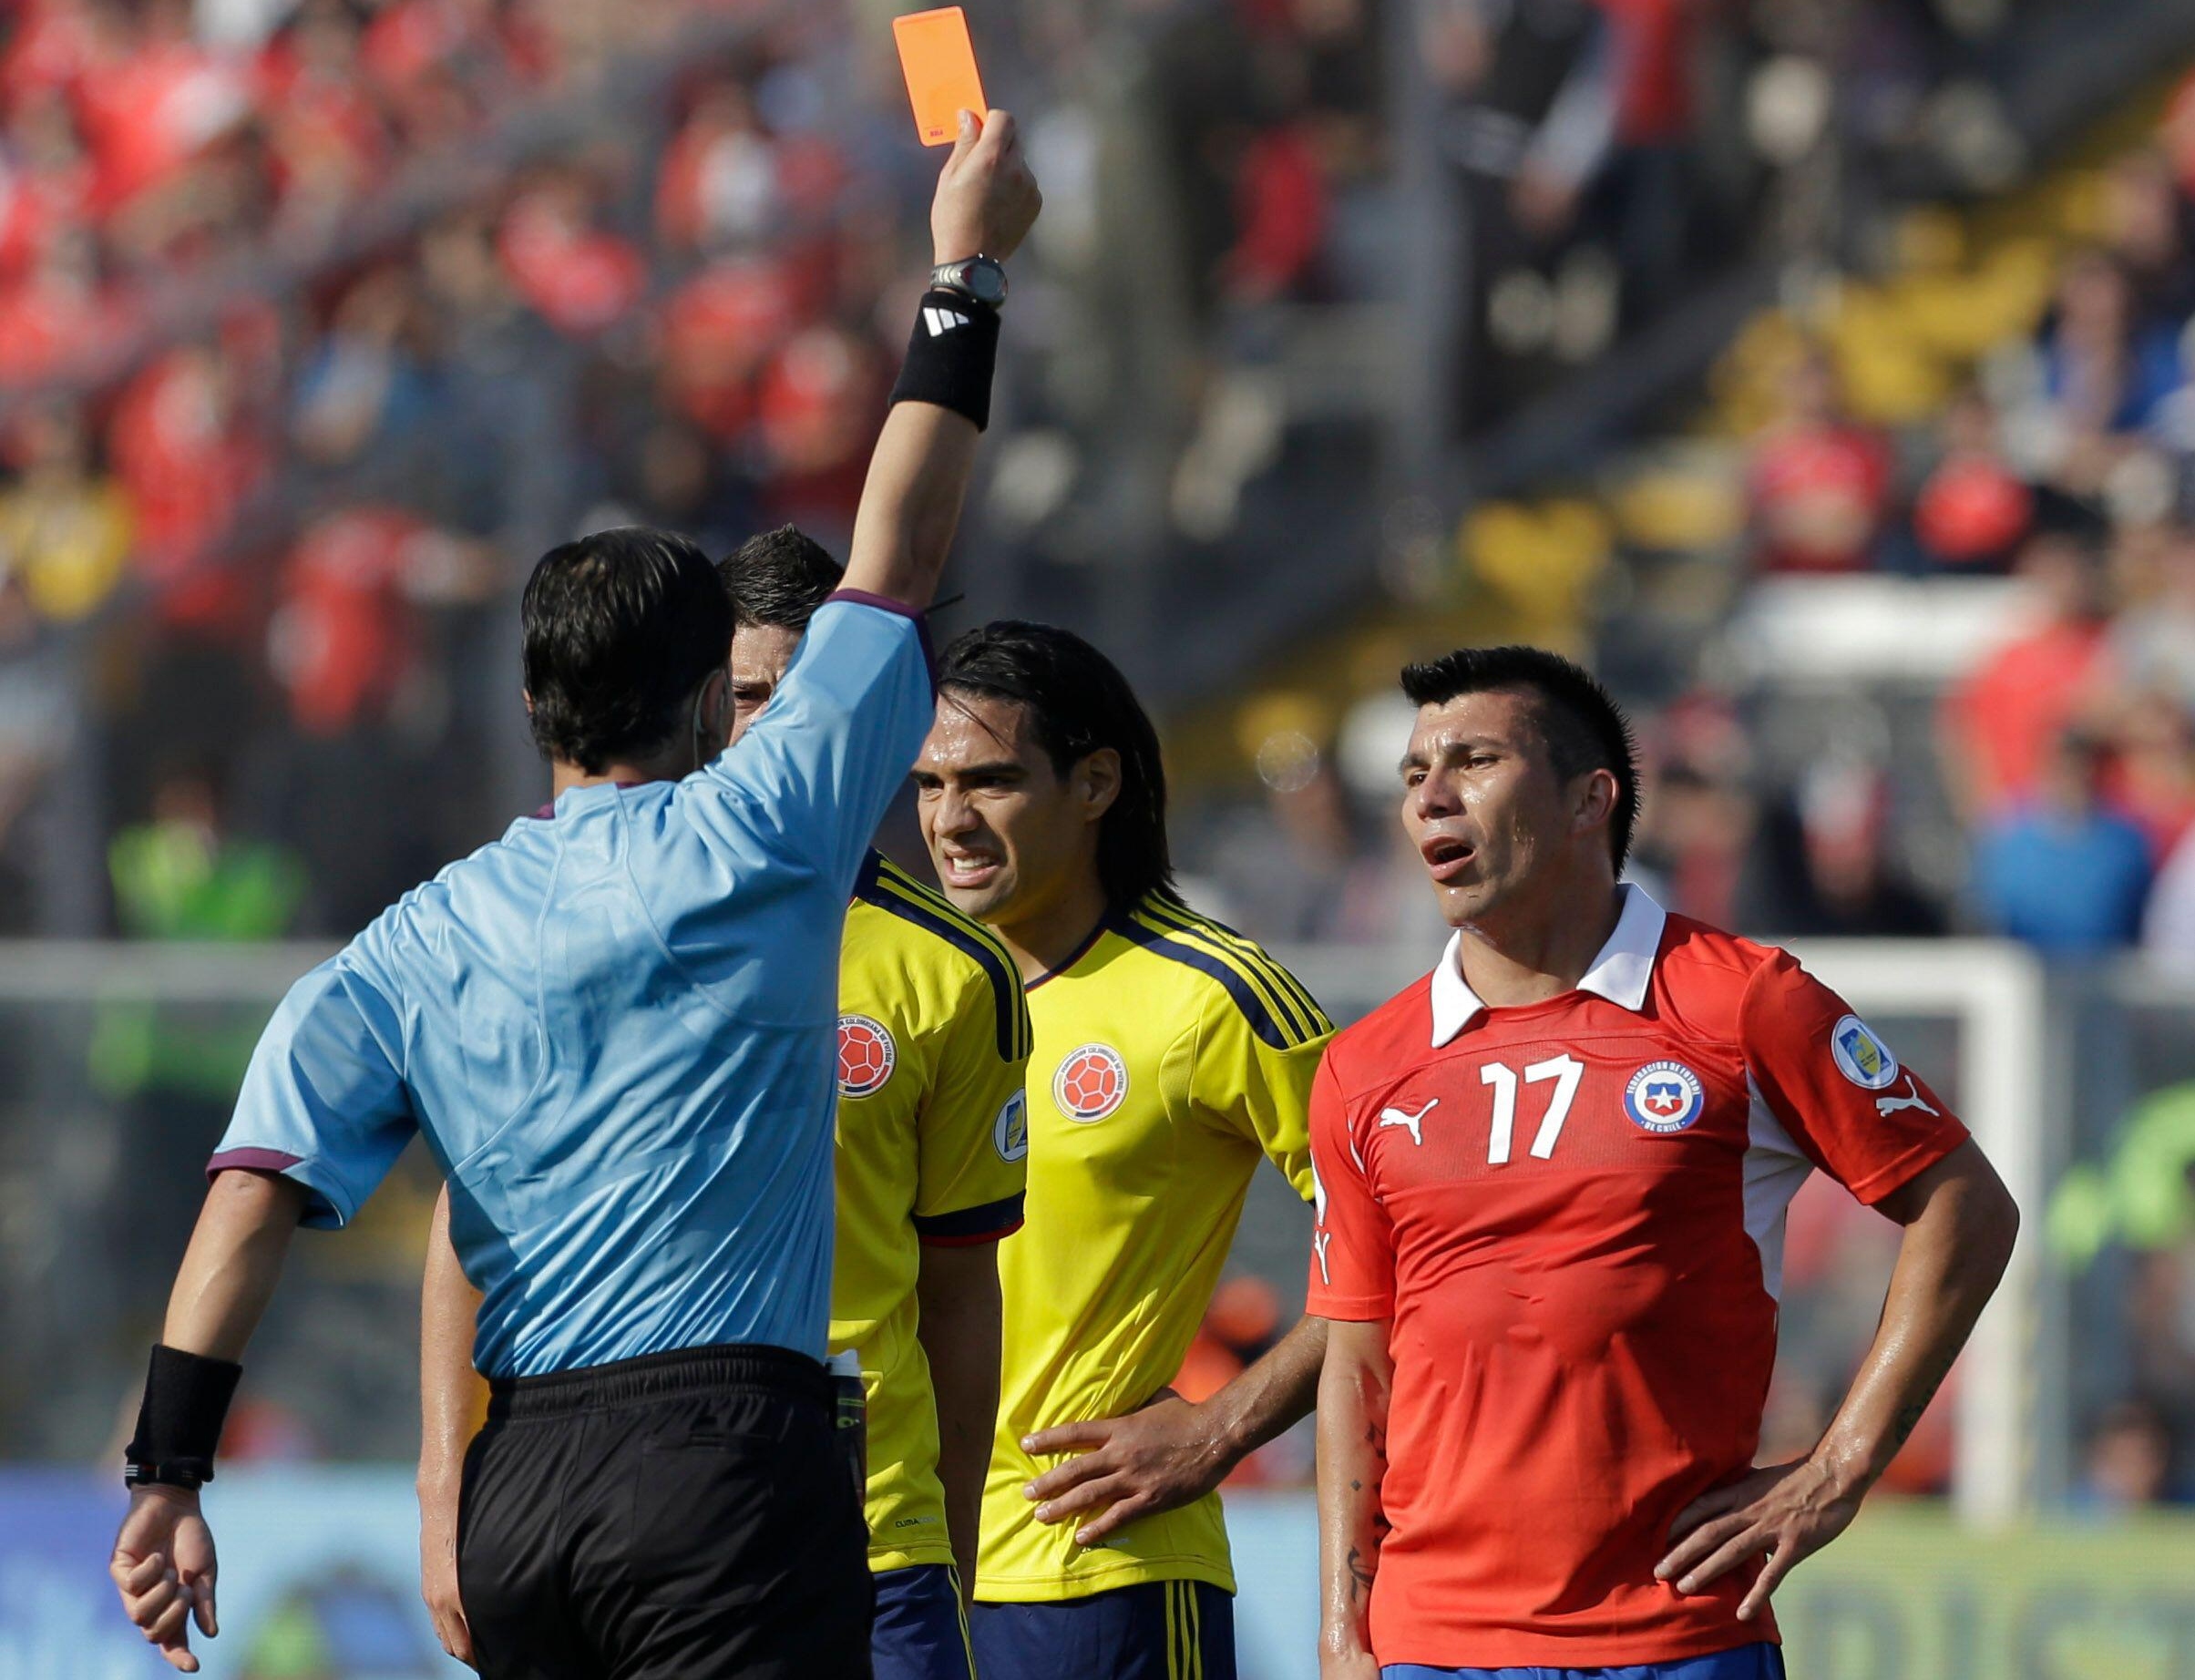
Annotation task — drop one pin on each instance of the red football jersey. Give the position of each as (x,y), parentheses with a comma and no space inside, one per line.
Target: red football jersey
(1573,1213)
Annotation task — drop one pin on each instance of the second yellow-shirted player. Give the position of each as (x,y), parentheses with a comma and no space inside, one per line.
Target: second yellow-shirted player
(1170,1055)
(932,1137)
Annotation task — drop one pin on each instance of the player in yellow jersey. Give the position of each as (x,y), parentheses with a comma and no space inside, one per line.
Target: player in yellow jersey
(1170,1055)
(933,1035)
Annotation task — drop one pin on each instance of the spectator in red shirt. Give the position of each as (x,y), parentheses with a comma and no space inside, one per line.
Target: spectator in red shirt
(1972,510)
(718,184)
(329,140)
(2151,777)
(1819,481)
(2001,719)
(46,179)
(717,331)
(157,104)
(60,313)
(181,449)
(579,277)
(1280,214)
(818,407)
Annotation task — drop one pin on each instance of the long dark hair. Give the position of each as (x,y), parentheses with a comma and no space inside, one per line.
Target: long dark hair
(1078,703)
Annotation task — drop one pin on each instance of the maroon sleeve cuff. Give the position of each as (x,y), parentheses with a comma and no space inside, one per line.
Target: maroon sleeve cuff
(252,1161)
(990,1223)
(971,1242)
(884,603)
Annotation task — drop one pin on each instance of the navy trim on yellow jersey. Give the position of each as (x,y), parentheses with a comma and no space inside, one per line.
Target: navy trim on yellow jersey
(889,888)
(1280,1013)
(1072,958)
(985,1223)
(1282,990)
(1272,1011)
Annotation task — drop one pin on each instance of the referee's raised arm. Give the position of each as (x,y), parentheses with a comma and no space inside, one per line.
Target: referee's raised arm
(615,1029)
(987,201)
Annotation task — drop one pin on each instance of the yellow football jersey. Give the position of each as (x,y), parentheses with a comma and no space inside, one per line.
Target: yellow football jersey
(933,1037)
(1170,1054)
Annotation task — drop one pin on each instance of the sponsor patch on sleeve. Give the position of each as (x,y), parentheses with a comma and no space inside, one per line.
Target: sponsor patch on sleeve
(1861,1057)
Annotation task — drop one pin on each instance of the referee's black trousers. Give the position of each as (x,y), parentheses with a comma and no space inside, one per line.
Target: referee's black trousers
(682,1516)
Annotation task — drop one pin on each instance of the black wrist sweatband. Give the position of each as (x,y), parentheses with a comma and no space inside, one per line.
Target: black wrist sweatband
(951,356)
(179,1421)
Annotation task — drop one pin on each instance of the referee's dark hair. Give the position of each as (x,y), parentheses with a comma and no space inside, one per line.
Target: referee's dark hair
(1584,728)
(620,628)
(779,579)
(1078,703)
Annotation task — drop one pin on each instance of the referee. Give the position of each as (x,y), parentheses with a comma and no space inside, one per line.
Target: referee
(615,1029)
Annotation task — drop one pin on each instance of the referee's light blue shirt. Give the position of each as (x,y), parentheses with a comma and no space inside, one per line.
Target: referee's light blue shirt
(616,1027)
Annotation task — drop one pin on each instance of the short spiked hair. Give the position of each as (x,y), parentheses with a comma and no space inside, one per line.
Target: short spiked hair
(779,578)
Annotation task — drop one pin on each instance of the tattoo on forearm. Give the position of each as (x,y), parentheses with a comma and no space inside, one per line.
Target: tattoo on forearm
(1361,1570)
(1909,1418)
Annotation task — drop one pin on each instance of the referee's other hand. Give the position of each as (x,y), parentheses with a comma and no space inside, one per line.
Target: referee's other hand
(987,198)
(164,1568)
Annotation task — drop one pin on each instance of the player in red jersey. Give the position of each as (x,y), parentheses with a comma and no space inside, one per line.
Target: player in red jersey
(1552,1178)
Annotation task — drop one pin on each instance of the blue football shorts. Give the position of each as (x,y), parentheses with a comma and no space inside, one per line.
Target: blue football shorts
(1756,1662)
(920,1632)
(1156,1630)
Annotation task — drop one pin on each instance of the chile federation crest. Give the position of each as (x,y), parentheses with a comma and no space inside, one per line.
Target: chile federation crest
(1665,1097)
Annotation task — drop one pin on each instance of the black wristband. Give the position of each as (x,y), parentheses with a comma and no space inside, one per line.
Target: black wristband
(179,1420)
(951,356)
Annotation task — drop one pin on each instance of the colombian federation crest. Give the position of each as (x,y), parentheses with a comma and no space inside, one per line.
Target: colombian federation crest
(1861,1057)
(1009,1132)
(1090,1084)
(866,1056)
(1665,1096)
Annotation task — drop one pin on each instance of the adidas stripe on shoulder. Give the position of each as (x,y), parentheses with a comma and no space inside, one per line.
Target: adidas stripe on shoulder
(1275,1003)
(890,888)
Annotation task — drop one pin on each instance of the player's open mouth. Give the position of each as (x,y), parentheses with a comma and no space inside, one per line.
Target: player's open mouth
(1445,859)
(968,871)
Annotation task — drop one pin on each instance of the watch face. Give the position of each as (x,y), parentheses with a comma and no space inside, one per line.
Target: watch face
(986,281)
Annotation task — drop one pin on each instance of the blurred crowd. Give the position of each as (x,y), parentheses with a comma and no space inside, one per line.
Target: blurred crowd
(317,321)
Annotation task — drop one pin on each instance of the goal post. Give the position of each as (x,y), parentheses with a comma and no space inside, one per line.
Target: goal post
(1995,992)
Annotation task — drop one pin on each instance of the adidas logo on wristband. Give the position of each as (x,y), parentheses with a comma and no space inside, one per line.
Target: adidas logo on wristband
(942,320)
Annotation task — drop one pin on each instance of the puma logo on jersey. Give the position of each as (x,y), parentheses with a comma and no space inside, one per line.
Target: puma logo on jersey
(1319,1239)
(1396,1117)
(1887,1106)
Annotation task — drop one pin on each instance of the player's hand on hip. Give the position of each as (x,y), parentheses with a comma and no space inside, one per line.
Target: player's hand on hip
(1152,1460)
(987,198)
(1783,1512)
(438,1568)
(163,1566)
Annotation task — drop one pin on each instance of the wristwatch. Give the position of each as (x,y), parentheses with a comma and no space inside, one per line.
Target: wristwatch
(189,1473)
(978,279)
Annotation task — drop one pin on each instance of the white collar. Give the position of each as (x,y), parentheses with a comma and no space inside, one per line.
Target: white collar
(1621,972)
